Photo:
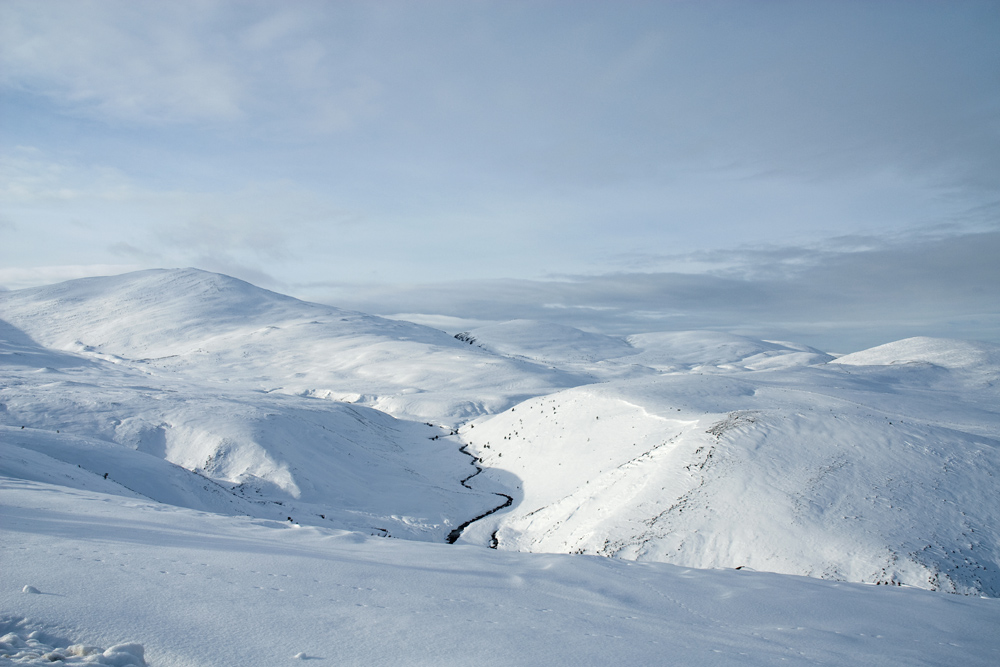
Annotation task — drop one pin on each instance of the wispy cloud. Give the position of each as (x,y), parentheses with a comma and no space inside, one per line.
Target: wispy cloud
(183,62)
(123,60)
(665,164)
(595,95)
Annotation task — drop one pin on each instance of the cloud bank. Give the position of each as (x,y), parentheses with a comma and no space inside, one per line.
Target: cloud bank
(836,299)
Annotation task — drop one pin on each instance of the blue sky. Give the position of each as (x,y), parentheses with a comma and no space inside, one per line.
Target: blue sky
(826,171)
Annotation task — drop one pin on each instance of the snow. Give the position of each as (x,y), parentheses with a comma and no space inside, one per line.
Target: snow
(702,350)
(604,357)
(199,588)
(947,353)
(815,471)
(218,446)
(203,326)
(195,471)
(39,648)
(547,342)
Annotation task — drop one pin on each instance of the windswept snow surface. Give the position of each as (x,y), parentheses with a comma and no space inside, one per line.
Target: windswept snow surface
(200,590)
(33,647)
(210,471)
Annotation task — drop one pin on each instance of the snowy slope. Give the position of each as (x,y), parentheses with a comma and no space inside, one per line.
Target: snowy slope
(202,590)
(206,326)
(943,352)
(873,474)
(88,423)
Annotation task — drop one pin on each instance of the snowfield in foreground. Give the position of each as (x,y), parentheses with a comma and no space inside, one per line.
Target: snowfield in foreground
(195,471)
(202,589)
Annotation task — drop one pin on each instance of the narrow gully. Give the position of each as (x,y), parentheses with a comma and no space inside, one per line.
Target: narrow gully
(457,532)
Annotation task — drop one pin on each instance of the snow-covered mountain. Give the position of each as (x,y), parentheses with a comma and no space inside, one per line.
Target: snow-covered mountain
(213,416)
(875,474)
(972,356)
(180,403)
(716,450)
(209,327)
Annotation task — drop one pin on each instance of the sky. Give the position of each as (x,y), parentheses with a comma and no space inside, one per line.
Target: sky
(821,172)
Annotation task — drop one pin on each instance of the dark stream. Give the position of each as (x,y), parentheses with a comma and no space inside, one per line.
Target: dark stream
(457,533)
